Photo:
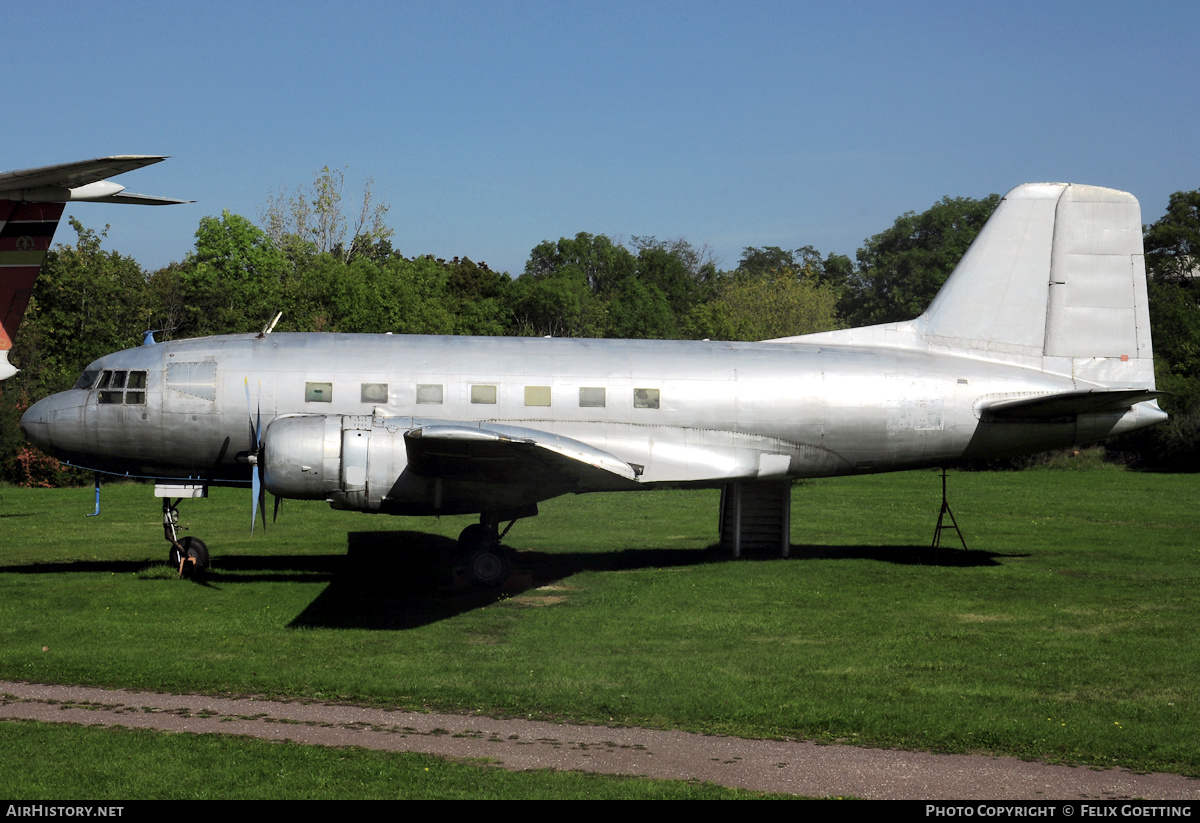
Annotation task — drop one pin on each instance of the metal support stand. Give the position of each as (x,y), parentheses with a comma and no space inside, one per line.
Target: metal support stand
(953,524)
(97,511)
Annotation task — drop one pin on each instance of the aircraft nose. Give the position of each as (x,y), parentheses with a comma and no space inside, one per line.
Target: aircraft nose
(35,423)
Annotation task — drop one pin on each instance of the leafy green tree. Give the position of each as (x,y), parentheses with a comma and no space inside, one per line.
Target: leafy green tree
(477,297)
(233,281)
(1173,242)
(559,304)
(639,310)
(1172,246)
(594,258)
(901,269)
(763,307)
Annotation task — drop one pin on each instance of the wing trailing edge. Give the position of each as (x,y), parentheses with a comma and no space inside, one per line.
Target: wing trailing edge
(495,452)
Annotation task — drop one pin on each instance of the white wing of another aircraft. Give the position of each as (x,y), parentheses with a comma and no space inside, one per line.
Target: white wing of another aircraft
(31,204)
(81,180)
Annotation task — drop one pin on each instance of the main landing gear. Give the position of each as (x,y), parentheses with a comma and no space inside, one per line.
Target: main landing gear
(189,555)
(485,562)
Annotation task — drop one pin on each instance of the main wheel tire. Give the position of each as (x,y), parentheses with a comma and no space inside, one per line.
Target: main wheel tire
(487,567)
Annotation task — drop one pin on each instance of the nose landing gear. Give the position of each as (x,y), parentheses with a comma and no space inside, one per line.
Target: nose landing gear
(189,555)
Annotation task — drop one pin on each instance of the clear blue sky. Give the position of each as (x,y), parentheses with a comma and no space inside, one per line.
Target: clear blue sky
(491,126)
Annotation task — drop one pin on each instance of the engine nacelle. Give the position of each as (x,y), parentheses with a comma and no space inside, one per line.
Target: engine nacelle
(349,460)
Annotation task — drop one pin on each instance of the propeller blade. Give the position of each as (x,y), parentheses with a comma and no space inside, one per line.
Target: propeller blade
(261,501)
(275,516)
(257,491)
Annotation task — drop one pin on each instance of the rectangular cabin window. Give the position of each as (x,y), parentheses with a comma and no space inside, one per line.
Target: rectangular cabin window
(374,392)
(591,397)
(429,394)
(481,393)
(537,395)
(645,398)
(318,392)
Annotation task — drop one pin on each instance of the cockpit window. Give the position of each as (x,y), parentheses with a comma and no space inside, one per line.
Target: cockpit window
(122,387)
(87,379)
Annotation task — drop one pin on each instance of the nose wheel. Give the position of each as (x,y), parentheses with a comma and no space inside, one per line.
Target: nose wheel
(188,555)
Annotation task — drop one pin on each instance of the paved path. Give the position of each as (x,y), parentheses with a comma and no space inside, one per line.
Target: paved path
(763,765)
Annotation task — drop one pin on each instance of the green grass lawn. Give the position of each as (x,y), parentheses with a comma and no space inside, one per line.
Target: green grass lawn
(1064,633)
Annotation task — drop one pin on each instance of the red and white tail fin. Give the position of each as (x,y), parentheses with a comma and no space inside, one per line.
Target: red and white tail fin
(26,231)
(31,204)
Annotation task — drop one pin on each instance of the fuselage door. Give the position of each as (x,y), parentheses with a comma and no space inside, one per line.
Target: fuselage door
(355,446)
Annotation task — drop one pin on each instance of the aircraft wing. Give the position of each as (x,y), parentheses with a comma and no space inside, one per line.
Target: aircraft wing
(79,173)
(81,180)
(500,453)
(1069,402)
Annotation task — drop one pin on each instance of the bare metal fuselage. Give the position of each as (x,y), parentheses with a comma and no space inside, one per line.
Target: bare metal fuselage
(720,412)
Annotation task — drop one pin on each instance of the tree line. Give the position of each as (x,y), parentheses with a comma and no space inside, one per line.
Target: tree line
(328,273)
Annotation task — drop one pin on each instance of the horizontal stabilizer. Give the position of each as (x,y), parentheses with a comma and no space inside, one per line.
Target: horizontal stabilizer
(1067,403)
(496,453)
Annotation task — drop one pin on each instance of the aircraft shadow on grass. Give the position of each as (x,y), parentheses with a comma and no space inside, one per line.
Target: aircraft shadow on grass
(401,580)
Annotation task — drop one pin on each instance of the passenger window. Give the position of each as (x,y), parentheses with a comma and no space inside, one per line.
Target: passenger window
(374,392)
(318,392)
(645,398)
(429,394)
(483,394)
(591,397)
(537,395)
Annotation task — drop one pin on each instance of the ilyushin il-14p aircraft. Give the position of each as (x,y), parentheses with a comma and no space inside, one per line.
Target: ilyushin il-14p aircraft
(1039,339)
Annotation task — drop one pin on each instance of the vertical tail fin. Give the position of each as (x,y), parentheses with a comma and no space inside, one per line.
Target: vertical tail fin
(1055,280)
(26,231)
